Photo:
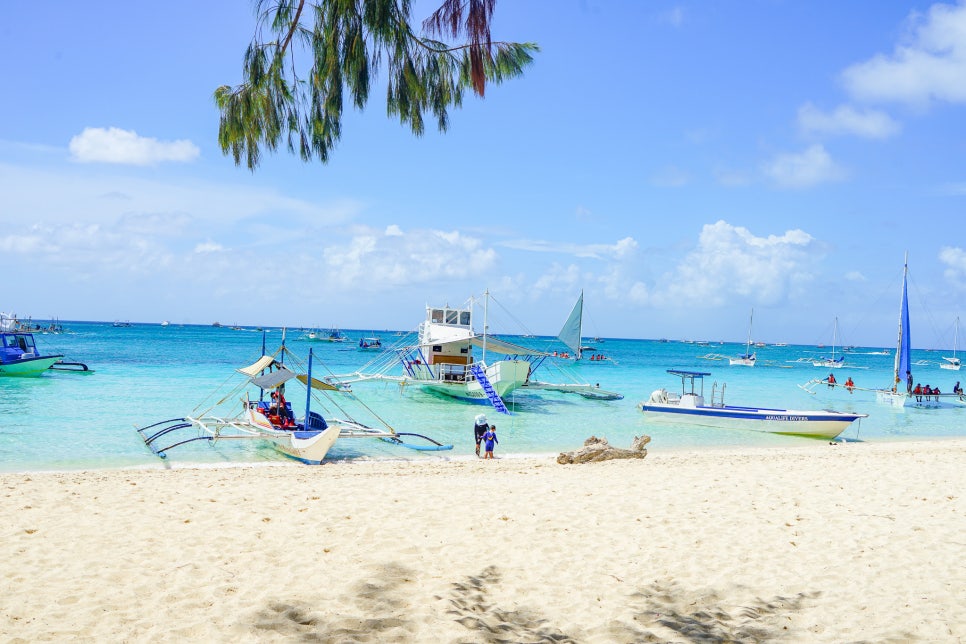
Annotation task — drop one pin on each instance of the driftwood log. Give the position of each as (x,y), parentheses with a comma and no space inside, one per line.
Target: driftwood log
(598,449)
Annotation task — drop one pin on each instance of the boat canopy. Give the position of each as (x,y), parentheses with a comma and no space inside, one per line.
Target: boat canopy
(273,379)
(261,365)
(688,374)
(316,383)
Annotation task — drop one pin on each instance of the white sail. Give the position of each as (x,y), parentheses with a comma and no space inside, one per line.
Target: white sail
(572,329)
(954,362)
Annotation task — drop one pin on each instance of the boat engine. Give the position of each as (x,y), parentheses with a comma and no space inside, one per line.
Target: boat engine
(659,396)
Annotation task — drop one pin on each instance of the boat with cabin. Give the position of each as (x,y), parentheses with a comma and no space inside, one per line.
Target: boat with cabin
(689,408)
(451,359)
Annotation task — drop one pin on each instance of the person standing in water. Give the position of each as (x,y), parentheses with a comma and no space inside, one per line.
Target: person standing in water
(489,438)
(479,428)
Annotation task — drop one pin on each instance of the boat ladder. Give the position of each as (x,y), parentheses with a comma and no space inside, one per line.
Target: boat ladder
(488,389)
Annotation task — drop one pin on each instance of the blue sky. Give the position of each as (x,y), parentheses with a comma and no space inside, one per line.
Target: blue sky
(682,163)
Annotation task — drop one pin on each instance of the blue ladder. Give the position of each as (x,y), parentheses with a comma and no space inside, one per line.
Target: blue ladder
(488,389)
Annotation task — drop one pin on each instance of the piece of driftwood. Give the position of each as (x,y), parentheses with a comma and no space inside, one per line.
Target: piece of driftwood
(598,449)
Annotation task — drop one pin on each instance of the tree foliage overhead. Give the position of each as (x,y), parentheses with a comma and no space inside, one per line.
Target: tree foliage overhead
(347,42)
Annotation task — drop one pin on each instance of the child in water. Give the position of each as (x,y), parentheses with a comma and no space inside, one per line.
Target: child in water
(489,438)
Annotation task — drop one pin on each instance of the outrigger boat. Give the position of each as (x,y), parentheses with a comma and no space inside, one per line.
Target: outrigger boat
(443,363)
(688,407)
(270,417)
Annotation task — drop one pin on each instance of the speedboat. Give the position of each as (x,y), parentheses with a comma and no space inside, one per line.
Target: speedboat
(689,407)
(19,355)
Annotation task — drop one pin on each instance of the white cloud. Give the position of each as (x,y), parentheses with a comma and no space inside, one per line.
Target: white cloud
(619,249)
(929,65)
(209,247)
(373,263)
(731,261)
(845,119)
(392,230)
(955,260)
(809,168)
(114,145)
(856,276)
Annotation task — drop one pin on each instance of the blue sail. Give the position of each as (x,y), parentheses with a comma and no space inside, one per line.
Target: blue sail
(903,362)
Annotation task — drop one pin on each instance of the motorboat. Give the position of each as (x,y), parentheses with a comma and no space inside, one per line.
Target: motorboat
(689,408)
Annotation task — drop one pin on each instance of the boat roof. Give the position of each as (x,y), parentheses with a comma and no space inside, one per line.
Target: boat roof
(688,374)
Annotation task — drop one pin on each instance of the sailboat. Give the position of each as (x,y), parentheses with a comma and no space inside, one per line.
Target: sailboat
(831,363)
(572,330)
(954,362)
(749,358)
(895,395)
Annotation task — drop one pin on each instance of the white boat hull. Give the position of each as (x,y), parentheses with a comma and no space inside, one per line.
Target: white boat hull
(896,399)
(308,447)
(506,376)
(809,423)
(742,362)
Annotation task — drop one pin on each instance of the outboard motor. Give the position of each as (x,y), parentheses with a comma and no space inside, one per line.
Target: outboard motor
(659,396)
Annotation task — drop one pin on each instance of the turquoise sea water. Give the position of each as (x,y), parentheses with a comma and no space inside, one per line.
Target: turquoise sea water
(147,373)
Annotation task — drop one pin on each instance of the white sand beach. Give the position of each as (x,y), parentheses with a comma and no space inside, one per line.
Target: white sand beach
(819,543)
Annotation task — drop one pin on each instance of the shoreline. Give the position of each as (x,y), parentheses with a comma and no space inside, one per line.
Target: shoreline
(813,543)
(175,464)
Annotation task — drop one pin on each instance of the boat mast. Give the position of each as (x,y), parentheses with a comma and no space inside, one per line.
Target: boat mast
(835,329)
(308,392)
(580,326)
(751,321)
(486,302)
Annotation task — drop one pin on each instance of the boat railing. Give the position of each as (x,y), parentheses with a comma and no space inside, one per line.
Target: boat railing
(453,372)
(720,394)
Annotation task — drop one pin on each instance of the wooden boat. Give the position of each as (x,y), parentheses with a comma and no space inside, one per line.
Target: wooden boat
(689,408)
(270,417)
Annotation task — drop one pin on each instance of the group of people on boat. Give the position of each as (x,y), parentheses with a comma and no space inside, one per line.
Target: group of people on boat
(919,392)
(849,383)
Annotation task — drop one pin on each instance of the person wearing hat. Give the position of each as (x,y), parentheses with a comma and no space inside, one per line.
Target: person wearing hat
(479,428)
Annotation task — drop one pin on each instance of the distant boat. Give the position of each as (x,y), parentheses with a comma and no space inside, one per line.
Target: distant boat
(572,329)
(118,323)
(831,363)
(689,408)
(370,343)
(165,323)
(749,358)
(954,362)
